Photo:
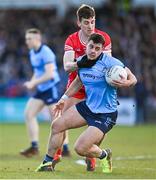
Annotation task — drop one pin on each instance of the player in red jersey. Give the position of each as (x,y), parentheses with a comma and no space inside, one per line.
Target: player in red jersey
(75,46)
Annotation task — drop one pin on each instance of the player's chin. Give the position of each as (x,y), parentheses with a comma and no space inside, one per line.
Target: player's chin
(89,32)
(29,47)
(91,57)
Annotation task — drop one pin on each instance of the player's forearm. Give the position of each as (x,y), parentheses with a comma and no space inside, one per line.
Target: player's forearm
(43,78)
(74,87)
(132,80)
(33,77)
(69,61)
(131,77)
(70,66)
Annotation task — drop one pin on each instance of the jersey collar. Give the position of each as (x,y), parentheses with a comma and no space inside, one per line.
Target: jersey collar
(39,49)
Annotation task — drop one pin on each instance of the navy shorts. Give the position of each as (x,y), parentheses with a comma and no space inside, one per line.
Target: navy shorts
(49,96)
(103,121)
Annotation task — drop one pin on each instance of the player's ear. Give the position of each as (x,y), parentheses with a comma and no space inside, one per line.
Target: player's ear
(78,23)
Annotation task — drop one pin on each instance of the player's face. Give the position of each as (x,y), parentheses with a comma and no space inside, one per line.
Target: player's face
(87,25)
(30,40)
(93,50)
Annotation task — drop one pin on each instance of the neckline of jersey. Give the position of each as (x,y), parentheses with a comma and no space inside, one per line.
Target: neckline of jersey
(39,49)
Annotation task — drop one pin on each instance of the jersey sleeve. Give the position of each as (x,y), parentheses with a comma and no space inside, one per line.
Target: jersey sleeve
(48,56)
(108,44)
(69,44)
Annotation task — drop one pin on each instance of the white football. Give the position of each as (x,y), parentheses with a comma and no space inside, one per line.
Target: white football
(115,73)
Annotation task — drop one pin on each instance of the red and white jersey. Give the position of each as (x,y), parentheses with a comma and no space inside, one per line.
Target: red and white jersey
(74,43)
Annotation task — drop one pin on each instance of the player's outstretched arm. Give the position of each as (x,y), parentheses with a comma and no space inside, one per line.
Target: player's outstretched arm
(73,88)
(58,108)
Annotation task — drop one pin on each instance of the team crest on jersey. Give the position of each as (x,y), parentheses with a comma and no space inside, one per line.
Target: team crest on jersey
(104,69)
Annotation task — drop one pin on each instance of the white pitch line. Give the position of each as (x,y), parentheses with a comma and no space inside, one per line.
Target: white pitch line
(134,157)
(147,169)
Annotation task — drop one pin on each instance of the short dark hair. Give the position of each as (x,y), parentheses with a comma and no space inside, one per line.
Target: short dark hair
(97,38)
(33,31)
(85,11)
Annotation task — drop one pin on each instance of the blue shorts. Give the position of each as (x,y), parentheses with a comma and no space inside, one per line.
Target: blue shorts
(103,121)
(49,96)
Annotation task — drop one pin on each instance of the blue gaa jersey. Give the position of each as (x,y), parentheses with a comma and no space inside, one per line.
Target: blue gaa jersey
(100,96)
(44,55)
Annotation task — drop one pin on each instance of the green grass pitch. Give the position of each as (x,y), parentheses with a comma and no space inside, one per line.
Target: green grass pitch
(134,154)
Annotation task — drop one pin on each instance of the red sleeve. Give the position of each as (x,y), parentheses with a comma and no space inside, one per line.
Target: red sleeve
(108,44)
(68,44)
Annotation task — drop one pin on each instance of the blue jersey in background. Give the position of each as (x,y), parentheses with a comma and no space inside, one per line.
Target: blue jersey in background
(44,55)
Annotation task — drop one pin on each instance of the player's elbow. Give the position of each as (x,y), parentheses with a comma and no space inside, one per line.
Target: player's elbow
(135,81)
(70,66)
(68,69)
(49,76)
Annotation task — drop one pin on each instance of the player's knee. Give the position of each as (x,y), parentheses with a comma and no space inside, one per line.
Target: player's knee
(28,115)
(55,127)
(79,149)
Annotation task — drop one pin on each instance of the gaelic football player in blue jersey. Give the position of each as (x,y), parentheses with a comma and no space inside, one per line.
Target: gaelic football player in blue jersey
(98,110)
(45,79)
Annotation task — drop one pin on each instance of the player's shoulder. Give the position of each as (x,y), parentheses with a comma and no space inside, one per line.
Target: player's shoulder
(31,51)
(105,34)
(46,50)
(73,36)
(72,41)
(105,58)
(45,47)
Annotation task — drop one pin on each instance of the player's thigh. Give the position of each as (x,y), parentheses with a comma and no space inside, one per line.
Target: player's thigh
(92,135)
(69,119)
(33,107)
(71,102)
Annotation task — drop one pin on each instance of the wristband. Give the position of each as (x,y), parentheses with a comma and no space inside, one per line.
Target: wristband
(64,97)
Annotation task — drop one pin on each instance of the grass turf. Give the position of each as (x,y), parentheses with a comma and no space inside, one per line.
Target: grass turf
(134,154)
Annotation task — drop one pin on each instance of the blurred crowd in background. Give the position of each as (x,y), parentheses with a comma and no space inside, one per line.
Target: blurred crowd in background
(133,33)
